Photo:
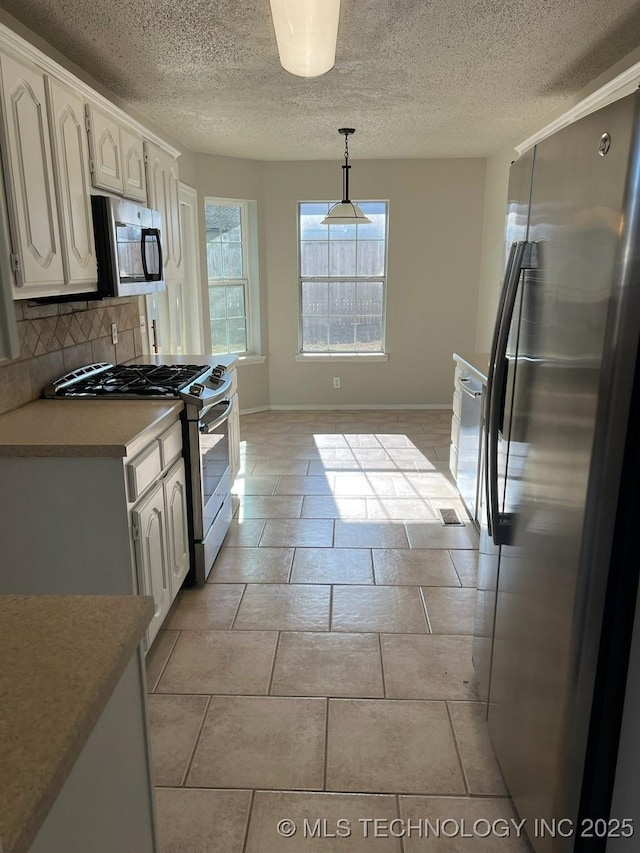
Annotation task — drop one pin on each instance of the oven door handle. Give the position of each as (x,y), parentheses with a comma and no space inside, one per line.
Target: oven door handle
(205,427)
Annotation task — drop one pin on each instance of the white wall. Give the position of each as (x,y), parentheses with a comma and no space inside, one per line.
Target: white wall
(435,230)
(230,177)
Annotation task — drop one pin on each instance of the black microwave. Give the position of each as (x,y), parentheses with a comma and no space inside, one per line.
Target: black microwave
(128,240)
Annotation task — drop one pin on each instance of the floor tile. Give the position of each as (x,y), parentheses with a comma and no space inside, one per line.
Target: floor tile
(414,567)
(378,608)
(252,565)
(324,506)
(270,506)
(320,467)
(158,655)
(281,607)
(270,807)
(428,667)
(432,484)
(476,752)
(352,485)
(261,742)
(244,533)
(192,821)
(174,724)
(400,509)
(391,746)
(317,664)
(466,565)
(436,535)
(210,606)
(331,565)
(280,466)
(251,485)
(451,611)
(298,532)
(370,534)
(237,662)
(290,484)
(462,811)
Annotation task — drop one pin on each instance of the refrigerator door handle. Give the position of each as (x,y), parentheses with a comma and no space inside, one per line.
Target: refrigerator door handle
(490,378)
(523,258)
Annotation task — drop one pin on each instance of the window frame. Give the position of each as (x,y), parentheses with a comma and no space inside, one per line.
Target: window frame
(249,266)
(384,277)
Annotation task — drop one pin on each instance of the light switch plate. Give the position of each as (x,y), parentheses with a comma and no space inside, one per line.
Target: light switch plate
(114,333)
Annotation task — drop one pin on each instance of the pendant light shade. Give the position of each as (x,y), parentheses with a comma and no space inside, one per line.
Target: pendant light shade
(306,33)
(345,212)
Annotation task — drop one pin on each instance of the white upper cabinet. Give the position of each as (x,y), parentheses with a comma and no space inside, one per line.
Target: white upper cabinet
(105,148)
(117,155)
(163,185)
(33,210)
(71,171)
(133,173)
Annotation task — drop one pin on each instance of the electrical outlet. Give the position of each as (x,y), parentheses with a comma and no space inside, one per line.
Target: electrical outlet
(114,333)
(143,321)
(336,381)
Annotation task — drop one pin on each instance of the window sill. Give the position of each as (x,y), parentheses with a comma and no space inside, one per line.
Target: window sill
(251,359)
(332,358)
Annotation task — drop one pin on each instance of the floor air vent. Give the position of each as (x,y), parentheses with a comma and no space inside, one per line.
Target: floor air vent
(450,517)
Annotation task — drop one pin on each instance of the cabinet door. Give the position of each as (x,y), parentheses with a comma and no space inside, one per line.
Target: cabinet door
(234,438)
(29,178)
(71,171)
(148,521)
(175,495)
(163,190)
(104,145)
(135,183)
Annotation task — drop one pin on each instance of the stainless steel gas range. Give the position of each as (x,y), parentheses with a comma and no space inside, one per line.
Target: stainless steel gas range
(207,393)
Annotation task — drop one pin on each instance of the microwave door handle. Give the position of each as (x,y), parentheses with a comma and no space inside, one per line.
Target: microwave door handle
(155,233)
(498,379)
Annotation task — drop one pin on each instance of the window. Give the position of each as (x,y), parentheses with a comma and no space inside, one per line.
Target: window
(229,228)
(342,281)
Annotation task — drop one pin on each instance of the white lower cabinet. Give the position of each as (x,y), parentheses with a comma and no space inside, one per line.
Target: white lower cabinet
(150,542)
(161,545)
(175,498)
(97,525)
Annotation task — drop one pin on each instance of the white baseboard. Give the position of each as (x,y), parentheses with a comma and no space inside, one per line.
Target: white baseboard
(255,410)
(355,407)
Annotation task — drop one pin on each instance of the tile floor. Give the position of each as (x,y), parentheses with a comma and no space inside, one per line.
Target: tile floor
(324,672)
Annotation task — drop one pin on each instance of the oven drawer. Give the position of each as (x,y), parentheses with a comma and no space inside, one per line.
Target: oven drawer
(171,444)
(143,470)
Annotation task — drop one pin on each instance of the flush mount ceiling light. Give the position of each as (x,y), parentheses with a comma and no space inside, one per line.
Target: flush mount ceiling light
(345,212)
(306,33)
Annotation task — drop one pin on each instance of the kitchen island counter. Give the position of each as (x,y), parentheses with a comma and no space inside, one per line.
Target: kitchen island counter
(62,657)
(97,427)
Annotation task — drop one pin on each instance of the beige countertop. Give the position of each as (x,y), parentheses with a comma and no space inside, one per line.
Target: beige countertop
(476,362)
(62,657)
(111,428)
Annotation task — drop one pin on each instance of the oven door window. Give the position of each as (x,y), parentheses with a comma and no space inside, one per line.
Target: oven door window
(214,458)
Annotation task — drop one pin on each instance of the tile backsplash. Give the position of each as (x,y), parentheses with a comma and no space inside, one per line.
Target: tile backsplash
(57,338)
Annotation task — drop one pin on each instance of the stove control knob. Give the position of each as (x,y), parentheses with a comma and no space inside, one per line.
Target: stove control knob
(196,389)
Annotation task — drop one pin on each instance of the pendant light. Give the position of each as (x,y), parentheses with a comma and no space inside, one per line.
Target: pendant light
(306,33)
(345,212)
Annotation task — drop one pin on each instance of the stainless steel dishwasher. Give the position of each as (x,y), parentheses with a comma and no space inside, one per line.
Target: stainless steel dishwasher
(469,442)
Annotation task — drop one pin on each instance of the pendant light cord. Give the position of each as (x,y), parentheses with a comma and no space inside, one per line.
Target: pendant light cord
(345,171)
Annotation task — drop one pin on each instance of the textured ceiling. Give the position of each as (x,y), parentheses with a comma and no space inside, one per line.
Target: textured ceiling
(417,78)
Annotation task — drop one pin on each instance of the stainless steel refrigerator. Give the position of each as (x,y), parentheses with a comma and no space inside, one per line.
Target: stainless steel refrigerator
(555,649)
